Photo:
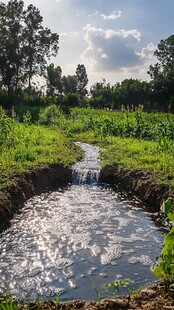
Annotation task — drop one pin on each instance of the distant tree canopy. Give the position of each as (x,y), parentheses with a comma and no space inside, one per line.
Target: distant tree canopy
(82,81)
(128,94)
(67,85)
(25,46)
(162,74)
(54,80)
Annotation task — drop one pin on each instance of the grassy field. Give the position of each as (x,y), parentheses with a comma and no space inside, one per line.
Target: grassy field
(24,145)
(135,140)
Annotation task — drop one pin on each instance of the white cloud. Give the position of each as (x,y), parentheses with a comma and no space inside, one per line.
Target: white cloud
(114,15)
(109,50)
(64,36)
(147,53)
(93,14)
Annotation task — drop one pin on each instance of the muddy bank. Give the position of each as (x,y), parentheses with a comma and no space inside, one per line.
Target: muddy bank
(30,183)
(155,297)
(141,183)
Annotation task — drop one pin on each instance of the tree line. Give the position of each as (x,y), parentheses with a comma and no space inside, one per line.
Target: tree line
(26,47)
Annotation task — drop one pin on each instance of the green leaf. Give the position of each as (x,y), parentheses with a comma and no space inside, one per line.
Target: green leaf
(167,206)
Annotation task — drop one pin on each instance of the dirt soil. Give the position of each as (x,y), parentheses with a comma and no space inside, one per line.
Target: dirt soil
(155,297)
(141,183)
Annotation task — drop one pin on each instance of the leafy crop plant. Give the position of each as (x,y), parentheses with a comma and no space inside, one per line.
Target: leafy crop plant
(164,266)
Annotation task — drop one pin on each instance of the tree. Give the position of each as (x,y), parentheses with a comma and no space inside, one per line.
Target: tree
(129,93)
(69,84)
(54,82)
(39,43)
(82,81)
(11,53)
(71,100)
(25,46)
(133,92)
(162,73)
(102,95)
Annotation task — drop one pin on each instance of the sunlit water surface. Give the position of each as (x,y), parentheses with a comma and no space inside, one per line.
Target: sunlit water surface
(64,241)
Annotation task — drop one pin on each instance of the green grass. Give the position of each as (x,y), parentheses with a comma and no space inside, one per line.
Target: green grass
(28,146)
(7,303)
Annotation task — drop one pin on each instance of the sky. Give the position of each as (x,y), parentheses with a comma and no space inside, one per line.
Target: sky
(114,39)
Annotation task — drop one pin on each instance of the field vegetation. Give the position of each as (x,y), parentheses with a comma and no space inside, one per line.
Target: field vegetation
(132,139)
(25,145)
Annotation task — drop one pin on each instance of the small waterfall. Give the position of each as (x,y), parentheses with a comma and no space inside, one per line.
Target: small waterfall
(87,171)
(85,176)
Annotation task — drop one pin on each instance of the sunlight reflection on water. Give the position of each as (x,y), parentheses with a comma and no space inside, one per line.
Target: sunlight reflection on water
(63,240)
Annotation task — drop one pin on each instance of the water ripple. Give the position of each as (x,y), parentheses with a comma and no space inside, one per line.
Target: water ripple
(61,241)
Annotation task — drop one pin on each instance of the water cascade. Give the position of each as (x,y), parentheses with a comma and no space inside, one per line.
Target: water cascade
(62,242)
(87,171)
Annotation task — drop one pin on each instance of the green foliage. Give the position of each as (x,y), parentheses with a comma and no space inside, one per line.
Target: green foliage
(51,115)
(54,84)
(82,81)
(5,127)
(164,266)
(71,100)
(27,118)
(132,139)
(130,124)
(25,145)
(57,301)
(69,84)
(25,46)
(22,109)
(162,74)
(111,289)
(8,304)
(129,93)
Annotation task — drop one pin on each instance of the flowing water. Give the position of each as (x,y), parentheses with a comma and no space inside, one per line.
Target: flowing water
(62,242)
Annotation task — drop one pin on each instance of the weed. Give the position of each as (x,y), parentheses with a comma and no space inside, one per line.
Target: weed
(97,293)
(57,301)
(111,289)
(8,304)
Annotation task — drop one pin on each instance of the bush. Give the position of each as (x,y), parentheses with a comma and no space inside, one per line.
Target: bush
(51,115)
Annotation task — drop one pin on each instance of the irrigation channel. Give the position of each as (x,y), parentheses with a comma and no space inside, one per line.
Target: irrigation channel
(61,242)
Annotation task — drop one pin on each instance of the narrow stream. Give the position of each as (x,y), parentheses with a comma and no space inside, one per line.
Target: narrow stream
(62,241)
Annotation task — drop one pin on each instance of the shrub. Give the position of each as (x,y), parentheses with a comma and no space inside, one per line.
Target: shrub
(51,115)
